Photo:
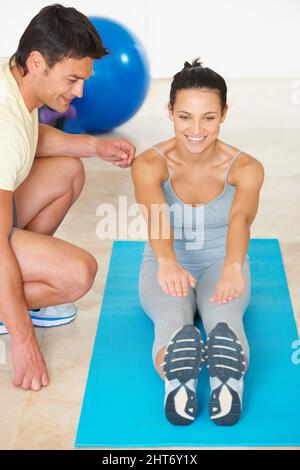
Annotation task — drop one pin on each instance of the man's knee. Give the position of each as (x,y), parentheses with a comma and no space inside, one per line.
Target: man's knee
(83,273)
(88,271)
(78,175)
(75,174)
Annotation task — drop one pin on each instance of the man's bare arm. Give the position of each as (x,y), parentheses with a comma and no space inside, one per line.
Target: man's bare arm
(13,309)
(29,364)
(53,142)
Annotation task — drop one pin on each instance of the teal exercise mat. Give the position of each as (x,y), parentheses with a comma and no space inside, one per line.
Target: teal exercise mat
(123,402)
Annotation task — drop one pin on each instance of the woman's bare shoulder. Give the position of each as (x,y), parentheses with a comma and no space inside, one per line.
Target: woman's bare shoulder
(247,167)
(149,165)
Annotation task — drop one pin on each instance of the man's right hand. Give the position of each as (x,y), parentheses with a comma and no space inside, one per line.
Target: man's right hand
(173,279)
(29,364)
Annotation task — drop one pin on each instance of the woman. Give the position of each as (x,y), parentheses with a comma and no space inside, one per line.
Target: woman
(202,263)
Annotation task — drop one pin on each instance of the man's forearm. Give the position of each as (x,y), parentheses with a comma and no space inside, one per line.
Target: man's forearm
(237,240)
(13,309)
(53,142)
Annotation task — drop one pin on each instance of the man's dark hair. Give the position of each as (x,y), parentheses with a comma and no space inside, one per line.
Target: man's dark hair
(58,32)
(195,76)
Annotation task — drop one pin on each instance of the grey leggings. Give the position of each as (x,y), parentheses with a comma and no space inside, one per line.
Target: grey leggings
(171,313)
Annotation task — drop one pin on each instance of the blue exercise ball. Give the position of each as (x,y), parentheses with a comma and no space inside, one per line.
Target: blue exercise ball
(120,81)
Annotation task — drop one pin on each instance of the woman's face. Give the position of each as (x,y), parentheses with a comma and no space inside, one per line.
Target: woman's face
(197,116)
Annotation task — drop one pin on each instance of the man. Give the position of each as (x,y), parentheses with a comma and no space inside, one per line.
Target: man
(41,176)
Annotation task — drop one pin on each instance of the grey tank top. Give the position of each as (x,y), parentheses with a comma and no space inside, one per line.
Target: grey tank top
(199,232)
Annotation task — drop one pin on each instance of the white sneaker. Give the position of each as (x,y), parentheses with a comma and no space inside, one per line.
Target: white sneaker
(183,361)
(3,330)
(227,366)
(49,317)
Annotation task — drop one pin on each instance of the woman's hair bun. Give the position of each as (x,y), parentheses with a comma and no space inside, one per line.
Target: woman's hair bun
(194,64)
(194,75)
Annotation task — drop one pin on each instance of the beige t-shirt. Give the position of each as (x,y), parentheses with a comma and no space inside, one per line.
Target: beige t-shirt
(18,132)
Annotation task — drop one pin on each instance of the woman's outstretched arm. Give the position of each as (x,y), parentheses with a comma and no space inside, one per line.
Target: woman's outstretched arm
(148,173)
(249,180)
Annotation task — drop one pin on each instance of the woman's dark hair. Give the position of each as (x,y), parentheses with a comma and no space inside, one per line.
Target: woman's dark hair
(58,32)
(195,76)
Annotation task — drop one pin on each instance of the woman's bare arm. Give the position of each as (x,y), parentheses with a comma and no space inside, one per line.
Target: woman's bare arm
(148,173)
(249,180)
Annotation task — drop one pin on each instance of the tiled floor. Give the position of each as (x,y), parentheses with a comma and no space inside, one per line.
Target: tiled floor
(262,121)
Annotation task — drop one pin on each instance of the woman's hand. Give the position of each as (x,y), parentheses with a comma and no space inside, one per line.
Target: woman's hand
(230,286)
(173,279)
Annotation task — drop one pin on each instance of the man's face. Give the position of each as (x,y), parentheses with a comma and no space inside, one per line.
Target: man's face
(59,85)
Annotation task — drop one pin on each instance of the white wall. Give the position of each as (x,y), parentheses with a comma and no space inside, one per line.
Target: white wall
(238,38)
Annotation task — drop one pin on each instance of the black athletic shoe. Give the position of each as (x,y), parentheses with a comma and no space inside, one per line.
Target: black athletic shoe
(226,363)
(184,359)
